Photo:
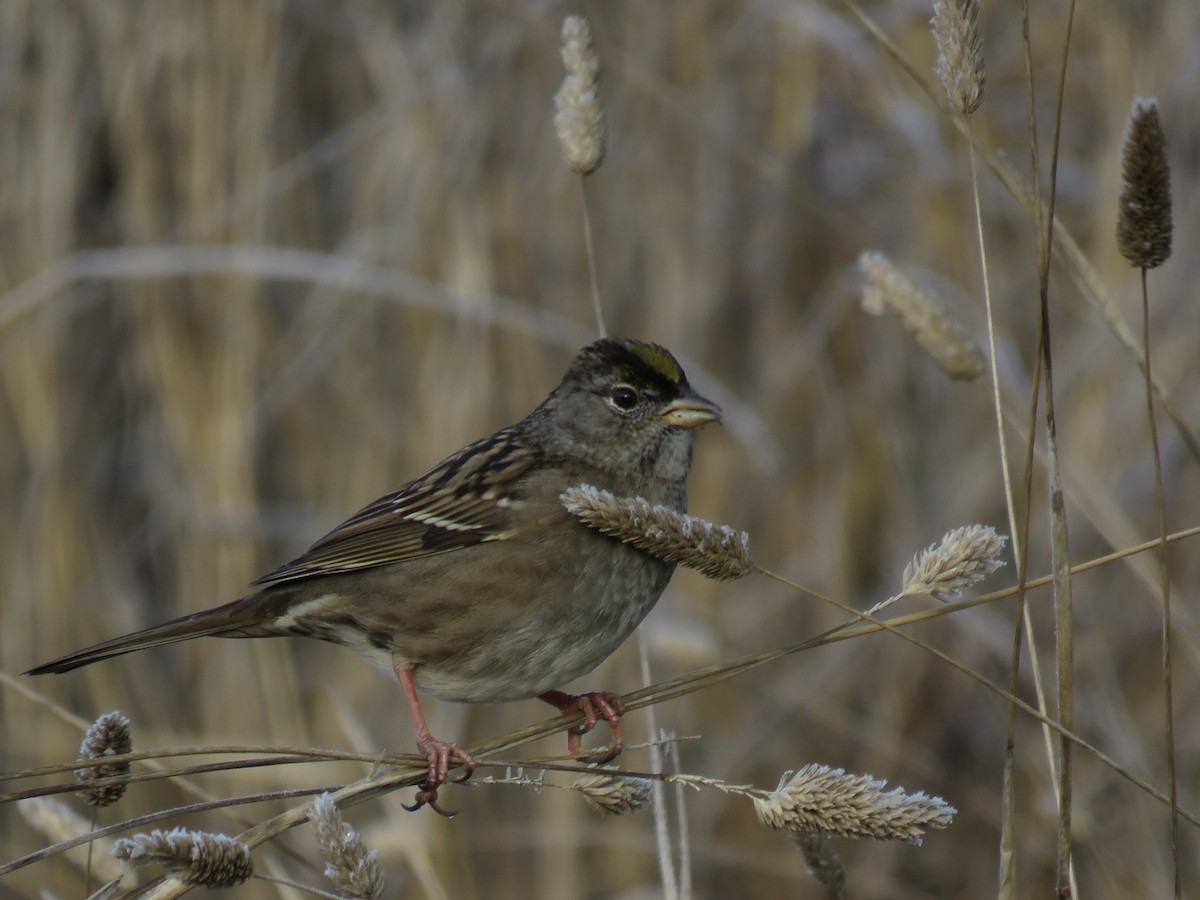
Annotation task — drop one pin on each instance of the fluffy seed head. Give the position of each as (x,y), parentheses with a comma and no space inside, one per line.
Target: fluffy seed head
(1144,216)
(195,857)
(960,52)
(965,557)
(579,54)
(578,117)
(886,290)
(109,735)
(714,550)
(820,799)
(353,868)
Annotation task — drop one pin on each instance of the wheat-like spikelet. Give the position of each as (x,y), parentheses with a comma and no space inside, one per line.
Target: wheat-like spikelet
(823,863)
(714,550)
(960,52)
(578,117)
(885,289)
(964,557)
(109,735)
(353,868)
(194,857)
(613,795)
(820,799)
(1144,216)
(58,822)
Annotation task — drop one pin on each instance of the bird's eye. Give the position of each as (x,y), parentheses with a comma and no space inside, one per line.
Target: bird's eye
(623,397)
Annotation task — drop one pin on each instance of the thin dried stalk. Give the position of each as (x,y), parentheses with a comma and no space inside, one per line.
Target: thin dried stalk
(109,735)
(960,70)
(1160,502)
(349,864)
(1144,238)
(714,550)
(1144,225)
(1064,629)
(821,799)
(108,891)
(1059,531)
(885,289)
(193,857)
(960,52)
(58,822)
(823,863)
(608,792)
(582,132)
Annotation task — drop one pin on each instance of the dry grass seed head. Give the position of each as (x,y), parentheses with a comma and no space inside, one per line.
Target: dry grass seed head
(194,857)
(964,557)
(579,118)
(109,735)
(353,868)
(885,289)
(820,799)
(960,52)
(1144,225)
(714,550)
(613,795)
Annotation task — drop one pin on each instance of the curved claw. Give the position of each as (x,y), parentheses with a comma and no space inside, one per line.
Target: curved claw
(426,797)
(442,811)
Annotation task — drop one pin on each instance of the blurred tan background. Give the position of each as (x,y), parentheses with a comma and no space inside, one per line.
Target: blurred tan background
(361,250)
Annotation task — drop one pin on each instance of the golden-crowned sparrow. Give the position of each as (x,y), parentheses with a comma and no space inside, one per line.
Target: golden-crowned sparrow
(472,582)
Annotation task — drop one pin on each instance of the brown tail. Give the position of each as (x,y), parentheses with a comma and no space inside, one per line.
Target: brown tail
(236,619)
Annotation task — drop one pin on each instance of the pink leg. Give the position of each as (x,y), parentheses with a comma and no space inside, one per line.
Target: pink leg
(609,705)
(439,753)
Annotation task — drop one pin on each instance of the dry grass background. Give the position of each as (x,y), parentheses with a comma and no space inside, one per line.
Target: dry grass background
(169,430)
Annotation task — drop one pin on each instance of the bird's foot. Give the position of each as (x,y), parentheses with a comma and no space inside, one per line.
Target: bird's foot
(593,705)
(439,754)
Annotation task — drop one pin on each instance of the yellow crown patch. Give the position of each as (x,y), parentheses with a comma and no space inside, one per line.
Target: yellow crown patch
(658,358)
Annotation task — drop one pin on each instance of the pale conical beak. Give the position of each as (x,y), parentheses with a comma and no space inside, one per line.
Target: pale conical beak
(690,411)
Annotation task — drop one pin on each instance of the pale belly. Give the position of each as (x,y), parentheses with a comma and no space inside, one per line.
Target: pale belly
(464,645)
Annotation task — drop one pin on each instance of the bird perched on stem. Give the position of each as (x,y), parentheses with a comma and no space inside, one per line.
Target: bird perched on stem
(472,582)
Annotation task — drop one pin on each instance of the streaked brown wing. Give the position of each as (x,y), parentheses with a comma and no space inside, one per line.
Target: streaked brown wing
(464,500)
